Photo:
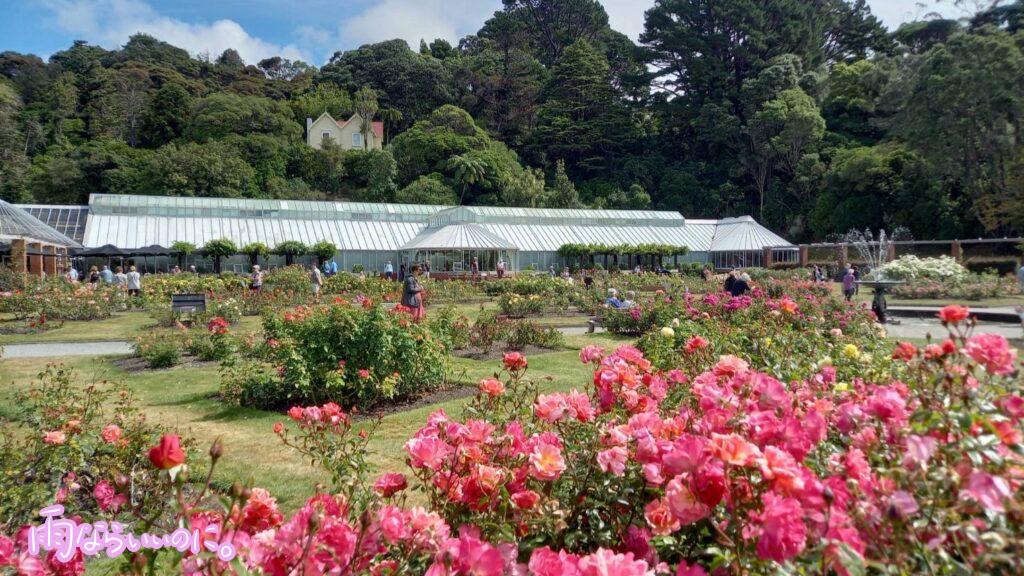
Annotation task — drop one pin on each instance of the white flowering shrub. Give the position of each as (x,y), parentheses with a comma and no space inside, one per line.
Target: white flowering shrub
(911,267)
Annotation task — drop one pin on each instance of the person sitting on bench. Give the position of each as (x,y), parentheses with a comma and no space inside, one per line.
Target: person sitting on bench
(613,299)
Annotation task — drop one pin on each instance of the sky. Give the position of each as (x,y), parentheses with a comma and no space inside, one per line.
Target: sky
(310,30)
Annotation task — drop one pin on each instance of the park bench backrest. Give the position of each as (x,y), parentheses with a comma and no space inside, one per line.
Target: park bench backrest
(188,302)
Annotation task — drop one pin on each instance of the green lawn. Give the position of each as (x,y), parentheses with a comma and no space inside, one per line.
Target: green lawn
(121,326)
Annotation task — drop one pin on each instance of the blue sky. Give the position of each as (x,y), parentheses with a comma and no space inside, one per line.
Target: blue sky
(307,29)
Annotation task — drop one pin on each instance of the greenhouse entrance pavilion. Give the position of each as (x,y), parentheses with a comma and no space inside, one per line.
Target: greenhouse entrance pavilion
(451,247)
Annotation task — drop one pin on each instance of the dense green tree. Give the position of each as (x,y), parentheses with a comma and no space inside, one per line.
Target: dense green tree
(883,186)
(213,169)
(13,159)
(166,115)
(405,80)
(965,113)
(562,193)
(319,99)
(427,189)
(851,106)
(220,115)
(582,121)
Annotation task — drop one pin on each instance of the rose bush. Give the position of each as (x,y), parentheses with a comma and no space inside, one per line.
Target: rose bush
(351,354)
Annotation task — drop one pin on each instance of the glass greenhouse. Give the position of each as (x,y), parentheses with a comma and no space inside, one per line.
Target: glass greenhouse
(370,235)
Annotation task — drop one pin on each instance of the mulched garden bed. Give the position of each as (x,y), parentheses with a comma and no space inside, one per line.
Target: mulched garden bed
(497,353)
(135,365)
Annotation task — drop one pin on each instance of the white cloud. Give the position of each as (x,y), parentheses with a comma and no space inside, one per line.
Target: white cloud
(627,16)
(415,20)
(110,23)
(896,12)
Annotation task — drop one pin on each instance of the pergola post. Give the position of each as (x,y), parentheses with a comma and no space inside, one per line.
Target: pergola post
(767,258)
(35,260)
(50,260)
(843,256)
(804,255)
(19,257)
(956,251)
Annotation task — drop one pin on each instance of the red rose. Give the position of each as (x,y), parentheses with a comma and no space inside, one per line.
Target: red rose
(954,314)
(709,484)
(168,453)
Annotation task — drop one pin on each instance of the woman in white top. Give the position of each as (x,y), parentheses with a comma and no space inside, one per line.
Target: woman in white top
(134,282)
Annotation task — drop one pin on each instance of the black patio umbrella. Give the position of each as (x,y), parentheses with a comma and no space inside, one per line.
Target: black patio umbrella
(108,251)
(151,250)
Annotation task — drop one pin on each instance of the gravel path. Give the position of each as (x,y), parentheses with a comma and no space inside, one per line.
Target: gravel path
(58,349)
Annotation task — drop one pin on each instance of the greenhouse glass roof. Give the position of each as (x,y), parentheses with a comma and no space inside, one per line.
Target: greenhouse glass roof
(131,222)
(17,223)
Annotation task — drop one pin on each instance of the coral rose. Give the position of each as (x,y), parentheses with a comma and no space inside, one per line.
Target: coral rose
(390,484)
(492,387)
(954,314)
(514,361)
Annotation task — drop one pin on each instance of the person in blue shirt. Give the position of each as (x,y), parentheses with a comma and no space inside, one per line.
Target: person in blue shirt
(107,274)
(613,299)
(389,270)
(334,267)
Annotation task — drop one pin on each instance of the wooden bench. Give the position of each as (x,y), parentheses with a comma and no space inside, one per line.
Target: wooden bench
(190,303)
(597,320)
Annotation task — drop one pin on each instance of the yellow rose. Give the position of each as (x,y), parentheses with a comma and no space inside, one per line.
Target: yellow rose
(668,332)
(851,351)
(841,387)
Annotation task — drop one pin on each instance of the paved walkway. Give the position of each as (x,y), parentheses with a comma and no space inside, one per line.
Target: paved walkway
(58,349)
(922,327)
(998,314)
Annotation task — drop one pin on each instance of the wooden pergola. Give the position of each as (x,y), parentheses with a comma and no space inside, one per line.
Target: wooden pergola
(37,257)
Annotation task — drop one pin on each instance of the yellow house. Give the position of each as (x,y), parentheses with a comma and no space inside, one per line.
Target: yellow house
(344,133)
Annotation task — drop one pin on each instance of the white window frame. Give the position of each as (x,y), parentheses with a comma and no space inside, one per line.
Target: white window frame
(357,139)
(326,135)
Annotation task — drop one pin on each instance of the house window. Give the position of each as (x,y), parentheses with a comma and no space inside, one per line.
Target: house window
(326,135)
(357,139)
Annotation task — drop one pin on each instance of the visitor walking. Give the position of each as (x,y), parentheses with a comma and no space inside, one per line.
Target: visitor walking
(134,282)
(401,272)
(707,274)
(551,271)
(316,279)
(121,279)
(256,280)
(389,271)
(94,277)
(474,267)
(107,274)
(176,269)
(849,284)
(334,268)
(412,293)
(818,275)
(426,269)
(192,269)
(501,269)
(72,275)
